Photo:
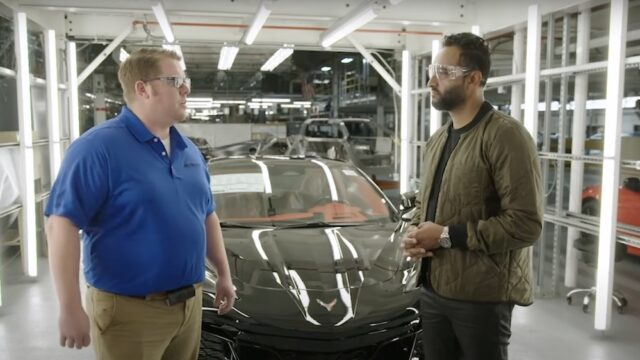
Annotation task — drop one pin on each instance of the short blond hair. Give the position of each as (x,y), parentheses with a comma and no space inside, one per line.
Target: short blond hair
(141,65)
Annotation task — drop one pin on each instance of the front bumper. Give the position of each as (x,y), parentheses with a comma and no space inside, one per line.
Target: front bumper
(395,338)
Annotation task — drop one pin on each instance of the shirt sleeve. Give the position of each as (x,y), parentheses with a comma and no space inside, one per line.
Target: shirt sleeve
(458,235)
(82,185)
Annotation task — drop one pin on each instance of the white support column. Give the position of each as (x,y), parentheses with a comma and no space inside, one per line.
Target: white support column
(611,162)
(406,123)
(577,143)
(103,55)
(517,89)
(53,109)
(72,90)
(532,78)
(376,65)
(560,175)
(435,116)
(23,82)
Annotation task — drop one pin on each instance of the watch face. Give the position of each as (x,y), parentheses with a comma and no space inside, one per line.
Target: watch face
(445,242)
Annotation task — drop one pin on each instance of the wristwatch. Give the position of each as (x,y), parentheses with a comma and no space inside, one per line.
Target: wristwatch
(445,240)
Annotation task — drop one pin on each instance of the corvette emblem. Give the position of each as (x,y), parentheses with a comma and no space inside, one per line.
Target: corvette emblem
(329,306)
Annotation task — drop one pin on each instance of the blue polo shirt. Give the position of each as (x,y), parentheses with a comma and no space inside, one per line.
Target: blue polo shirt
(141,211)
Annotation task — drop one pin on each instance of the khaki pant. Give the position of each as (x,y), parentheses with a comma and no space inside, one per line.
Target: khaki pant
(127,328)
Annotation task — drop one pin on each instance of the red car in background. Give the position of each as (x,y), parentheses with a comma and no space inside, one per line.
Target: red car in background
(628,205)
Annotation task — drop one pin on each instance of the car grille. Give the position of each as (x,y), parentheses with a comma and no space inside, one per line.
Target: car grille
(400,348)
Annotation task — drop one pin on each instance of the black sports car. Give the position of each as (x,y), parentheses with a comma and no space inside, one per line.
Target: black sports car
(314,251)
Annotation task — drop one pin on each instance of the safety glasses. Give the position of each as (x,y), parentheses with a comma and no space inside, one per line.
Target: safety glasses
(447,71)
(174,81)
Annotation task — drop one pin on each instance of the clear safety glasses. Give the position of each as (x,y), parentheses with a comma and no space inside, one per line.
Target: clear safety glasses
(174,81)
(447,71)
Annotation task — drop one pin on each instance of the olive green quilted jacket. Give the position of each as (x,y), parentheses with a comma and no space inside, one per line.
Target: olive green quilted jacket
(492,184)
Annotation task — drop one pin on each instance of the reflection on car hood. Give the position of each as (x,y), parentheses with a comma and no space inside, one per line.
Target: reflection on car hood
(329,274)
(275,258)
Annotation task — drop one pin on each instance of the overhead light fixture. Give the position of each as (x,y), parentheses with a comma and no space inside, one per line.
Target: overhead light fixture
(277,58)
(259,105)
(346,60)
(294,105)
(258,21)
(229,101)
(202,105)
(227,56)
(326,68)
(271,100)
(351,22)
(178,50)
(199,99)
(163,21)
(123,55)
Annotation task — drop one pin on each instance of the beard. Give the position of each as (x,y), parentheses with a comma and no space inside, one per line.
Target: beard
(449,99)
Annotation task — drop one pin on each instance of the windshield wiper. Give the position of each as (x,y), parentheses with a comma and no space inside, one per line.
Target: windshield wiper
(317,224)
(229,224)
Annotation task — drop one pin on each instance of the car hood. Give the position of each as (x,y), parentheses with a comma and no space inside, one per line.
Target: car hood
(320,276)
(279,258)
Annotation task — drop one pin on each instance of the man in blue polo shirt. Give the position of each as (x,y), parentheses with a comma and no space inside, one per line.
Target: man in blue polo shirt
(139,191)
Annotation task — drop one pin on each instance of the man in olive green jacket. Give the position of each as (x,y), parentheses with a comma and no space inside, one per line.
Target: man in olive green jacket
(478,212)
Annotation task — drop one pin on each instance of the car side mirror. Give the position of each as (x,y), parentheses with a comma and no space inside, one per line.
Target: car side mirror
(407,202)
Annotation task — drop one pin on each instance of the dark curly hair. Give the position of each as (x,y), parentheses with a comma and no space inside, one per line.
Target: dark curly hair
(474,52)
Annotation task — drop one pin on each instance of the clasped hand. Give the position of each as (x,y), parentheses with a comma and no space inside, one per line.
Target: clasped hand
(420,241)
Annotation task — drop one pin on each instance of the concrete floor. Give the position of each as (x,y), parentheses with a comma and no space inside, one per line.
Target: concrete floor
(550,329)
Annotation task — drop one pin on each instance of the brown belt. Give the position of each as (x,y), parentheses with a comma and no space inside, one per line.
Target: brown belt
(165,295)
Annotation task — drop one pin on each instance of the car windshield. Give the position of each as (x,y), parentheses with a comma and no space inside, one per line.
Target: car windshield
(323,129)
(286,192)
(359,128)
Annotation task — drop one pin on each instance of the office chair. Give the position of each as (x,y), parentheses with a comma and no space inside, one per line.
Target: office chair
(587,246)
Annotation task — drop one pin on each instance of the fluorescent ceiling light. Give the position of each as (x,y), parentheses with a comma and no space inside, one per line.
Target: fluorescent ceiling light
(199,99)
(346,60)
(253,105)
(202,105)
(294,105)
(123,55)
(326,68)
(227,56)
(277,58)
(229,101)
(163,21)
(348,24)
(178,50)
(271,100)
(302,102)
(256,24)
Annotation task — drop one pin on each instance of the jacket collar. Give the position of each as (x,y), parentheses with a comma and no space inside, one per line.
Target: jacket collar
(485,108)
